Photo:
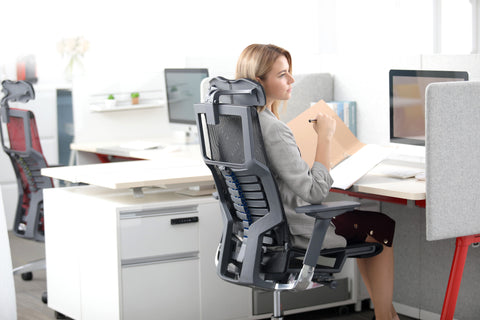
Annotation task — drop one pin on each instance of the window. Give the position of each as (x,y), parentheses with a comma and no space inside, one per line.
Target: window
(453,26)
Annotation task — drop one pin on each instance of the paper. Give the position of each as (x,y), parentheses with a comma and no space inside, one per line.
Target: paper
(344,143)
(349,171)
(348,163)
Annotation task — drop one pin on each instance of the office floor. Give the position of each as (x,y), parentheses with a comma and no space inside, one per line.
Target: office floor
(31,307)
(29,293)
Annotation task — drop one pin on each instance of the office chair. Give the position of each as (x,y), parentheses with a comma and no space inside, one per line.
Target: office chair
(21,143)
(256,249)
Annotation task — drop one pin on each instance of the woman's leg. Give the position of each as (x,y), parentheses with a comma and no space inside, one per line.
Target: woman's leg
(377,274)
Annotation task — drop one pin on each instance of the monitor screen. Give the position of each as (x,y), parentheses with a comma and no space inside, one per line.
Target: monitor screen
(407,102)
(183,91)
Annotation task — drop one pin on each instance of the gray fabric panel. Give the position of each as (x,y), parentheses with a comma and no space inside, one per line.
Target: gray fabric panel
(453,159)
(307,88)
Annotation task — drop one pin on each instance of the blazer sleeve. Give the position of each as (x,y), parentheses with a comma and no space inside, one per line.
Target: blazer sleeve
(310,184)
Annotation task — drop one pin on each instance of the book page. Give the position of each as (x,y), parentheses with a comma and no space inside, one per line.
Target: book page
(344,143)
(349,171)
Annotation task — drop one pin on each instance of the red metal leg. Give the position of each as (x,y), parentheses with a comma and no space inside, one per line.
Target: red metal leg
(456,272)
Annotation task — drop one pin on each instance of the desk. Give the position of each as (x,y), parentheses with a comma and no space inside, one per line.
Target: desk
(371,184)
(111,255)
(384,189)
(114,256)
(415,292)
(168,167)
(379,187)
(408,189)
(136,174)
(421,267)
(375,182)
(171,148)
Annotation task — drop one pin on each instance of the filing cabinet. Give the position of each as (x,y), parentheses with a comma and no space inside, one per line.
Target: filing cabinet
(160,263)
(111,255)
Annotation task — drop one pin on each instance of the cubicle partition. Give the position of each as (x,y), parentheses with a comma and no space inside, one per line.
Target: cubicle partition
(453,175)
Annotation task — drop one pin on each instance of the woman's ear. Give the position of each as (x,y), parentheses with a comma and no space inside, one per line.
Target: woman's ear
(259,80)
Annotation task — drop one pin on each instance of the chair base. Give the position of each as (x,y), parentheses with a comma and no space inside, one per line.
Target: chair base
(277,306)
(31,266)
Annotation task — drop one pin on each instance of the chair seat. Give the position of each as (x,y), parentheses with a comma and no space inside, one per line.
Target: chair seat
(361,250)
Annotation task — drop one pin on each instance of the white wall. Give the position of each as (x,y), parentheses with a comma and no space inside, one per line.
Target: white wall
(124,124)
(358,42)
(146,35)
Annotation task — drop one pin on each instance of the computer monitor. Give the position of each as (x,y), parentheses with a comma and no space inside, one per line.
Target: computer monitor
(407,102)
(183,91)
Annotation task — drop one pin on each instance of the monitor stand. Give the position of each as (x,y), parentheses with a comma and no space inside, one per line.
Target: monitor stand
(191,137)
(186,135)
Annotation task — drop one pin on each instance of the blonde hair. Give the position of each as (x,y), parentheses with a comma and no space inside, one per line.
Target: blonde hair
(256,61)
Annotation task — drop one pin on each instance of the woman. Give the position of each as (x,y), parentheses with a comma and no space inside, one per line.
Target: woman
(300,185)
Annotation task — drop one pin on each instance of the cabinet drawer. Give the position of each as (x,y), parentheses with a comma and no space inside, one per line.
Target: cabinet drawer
(165,290)
(163,234)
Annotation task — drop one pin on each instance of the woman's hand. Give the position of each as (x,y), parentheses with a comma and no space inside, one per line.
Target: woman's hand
(325,126)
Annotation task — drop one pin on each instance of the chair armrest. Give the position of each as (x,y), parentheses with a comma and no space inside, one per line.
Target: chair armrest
(322,213)
(327,210)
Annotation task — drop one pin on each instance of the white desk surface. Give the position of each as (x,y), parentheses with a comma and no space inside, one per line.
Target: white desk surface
(410,189)
(161,147)
(180,164)
(374,182)
(134,174)
(183,164)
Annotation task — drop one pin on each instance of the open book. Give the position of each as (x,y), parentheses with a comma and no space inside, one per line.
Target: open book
(350,158)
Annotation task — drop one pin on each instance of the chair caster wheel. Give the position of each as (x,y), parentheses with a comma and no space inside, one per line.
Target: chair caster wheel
(27,276)
(45,297)
(343,310)
(333,284)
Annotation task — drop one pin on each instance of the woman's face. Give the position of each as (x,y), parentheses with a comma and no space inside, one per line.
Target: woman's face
(278,82)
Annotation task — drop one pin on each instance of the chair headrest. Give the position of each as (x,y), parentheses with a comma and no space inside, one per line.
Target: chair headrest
(21,91)
(241,92)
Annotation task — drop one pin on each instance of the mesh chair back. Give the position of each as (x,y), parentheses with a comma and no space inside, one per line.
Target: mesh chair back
(21,143)
(255,231)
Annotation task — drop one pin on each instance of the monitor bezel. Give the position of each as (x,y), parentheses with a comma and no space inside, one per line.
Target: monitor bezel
(460,75)
(181,70)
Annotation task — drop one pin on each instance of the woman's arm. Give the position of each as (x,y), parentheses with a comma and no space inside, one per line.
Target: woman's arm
(310,184)
(325,127)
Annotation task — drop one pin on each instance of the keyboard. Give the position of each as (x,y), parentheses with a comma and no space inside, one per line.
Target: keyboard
(398,172)
(407,153)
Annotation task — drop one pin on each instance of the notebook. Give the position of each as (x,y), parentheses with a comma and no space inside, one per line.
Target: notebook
(350,158)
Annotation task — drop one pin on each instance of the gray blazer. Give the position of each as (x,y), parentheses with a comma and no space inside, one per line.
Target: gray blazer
(298,184)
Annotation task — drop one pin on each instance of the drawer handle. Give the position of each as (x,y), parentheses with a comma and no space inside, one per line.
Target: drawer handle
(183,220)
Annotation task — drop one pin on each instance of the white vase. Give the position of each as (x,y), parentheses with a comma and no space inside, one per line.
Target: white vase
(110,103)
(73,68)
